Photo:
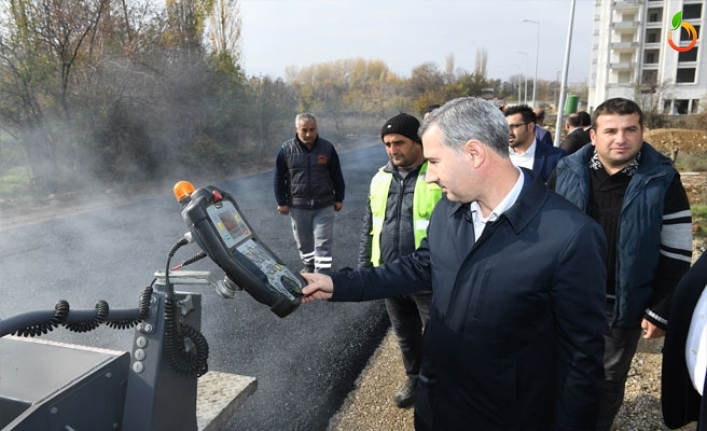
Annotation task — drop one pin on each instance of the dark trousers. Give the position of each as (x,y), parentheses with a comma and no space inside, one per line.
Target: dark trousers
(408,315)
(619,348)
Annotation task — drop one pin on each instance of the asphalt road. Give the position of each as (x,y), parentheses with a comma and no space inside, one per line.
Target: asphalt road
(305,363)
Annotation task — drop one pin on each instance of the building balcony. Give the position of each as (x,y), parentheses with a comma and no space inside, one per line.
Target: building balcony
(627,5)
(616,85)
(624,46)
(625,25)
(623,65)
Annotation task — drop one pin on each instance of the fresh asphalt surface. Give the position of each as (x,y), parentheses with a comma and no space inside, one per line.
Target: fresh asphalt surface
(305,363)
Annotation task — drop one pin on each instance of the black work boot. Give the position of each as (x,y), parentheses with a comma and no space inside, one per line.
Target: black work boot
(405,397)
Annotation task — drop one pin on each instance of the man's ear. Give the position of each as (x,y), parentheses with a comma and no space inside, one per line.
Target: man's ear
(476,150)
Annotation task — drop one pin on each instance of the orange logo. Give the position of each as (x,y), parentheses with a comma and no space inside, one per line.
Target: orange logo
(691,33)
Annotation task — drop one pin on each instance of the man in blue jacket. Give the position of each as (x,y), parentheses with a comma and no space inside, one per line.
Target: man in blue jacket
(635,194)
(514,340)
(526,150)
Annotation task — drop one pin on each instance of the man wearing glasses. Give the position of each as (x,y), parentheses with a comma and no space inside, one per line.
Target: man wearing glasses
(526,151)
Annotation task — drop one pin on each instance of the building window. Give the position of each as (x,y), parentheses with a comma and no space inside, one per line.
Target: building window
(653,35)
(692,11)
(655,15)
(651,56)
(685,37)
(690,55)
(649,77)
(685,75)
(681,106)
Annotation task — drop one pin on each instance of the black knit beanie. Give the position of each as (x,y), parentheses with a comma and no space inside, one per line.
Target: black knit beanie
(402,124)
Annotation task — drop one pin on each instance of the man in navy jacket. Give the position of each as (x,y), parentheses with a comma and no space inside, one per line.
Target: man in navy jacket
(526,150)
(513,342)
(682,383)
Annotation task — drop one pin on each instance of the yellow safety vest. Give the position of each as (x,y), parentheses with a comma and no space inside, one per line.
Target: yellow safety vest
(424,199)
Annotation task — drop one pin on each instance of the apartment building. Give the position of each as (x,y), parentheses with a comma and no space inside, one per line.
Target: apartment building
(631,56)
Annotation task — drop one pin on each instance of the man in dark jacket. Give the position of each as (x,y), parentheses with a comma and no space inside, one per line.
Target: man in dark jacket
(395,222)
(541,134)
(309,186)
(635,194)
(682,380)
(576,136)
(526,150)
(509,345)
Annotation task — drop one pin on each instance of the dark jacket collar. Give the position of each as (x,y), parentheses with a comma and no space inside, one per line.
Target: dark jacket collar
(531,199)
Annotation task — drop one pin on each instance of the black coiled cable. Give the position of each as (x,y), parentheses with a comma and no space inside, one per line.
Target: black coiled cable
(183,362)
(61,311)
(143,312)
(102,310)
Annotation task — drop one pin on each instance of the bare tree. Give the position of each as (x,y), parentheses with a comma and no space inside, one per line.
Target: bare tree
(224,30)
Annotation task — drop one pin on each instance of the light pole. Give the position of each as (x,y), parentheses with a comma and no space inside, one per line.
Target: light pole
(525,75)
(561,104)
(537,52)
(521,72)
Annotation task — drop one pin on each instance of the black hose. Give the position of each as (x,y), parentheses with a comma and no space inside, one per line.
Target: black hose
(123,319)
(193,363)
(102,310)
(61,311)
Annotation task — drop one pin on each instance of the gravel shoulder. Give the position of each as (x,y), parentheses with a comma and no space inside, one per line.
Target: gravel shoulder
(370,406)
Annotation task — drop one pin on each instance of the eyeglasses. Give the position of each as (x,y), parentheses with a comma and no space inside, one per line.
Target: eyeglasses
(515,126)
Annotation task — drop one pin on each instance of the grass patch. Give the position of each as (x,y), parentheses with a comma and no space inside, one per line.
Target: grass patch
(691,162)
(14,180)
(699,219)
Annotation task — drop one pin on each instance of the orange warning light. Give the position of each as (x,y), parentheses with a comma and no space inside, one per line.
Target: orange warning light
(183,190)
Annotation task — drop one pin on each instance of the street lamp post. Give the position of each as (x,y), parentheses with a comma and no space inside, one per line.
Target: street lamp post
(525,76)
(519,75)
(537,52)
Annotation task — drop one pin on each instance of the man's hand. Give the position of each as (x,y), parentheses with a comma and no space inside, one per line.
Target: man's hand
(338,206)
(283,209)
(319,286)
(650,330)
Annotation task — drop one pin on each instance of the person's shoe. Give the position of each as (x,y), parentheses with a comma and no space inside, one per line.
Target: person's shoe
(405,397)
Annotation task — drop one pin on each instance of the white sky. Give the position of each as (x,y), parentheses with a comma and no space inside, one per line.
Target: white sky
(406,33)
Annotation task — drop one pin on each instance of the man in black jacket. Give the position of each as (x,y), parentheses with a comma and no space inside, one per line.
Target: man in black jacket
(683,372)
(309,186)
(398,212)
(514,340)
(576,137)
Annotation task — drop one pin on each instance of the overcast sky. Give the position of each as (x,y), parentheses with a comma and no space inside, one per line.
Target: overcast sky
(406,33)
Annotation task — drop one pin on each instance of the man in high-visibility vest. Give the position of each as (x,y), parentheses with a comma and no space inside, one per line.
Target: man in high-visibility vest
(400,205)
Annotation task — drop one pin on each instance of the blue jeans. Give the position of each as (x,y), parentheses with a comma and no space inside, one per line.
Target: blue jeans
(314,231)
(619,348)
(408,315)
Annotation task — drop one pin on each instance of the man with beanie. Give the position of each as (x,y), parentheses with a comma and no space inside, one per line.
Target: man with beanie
(399,209)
